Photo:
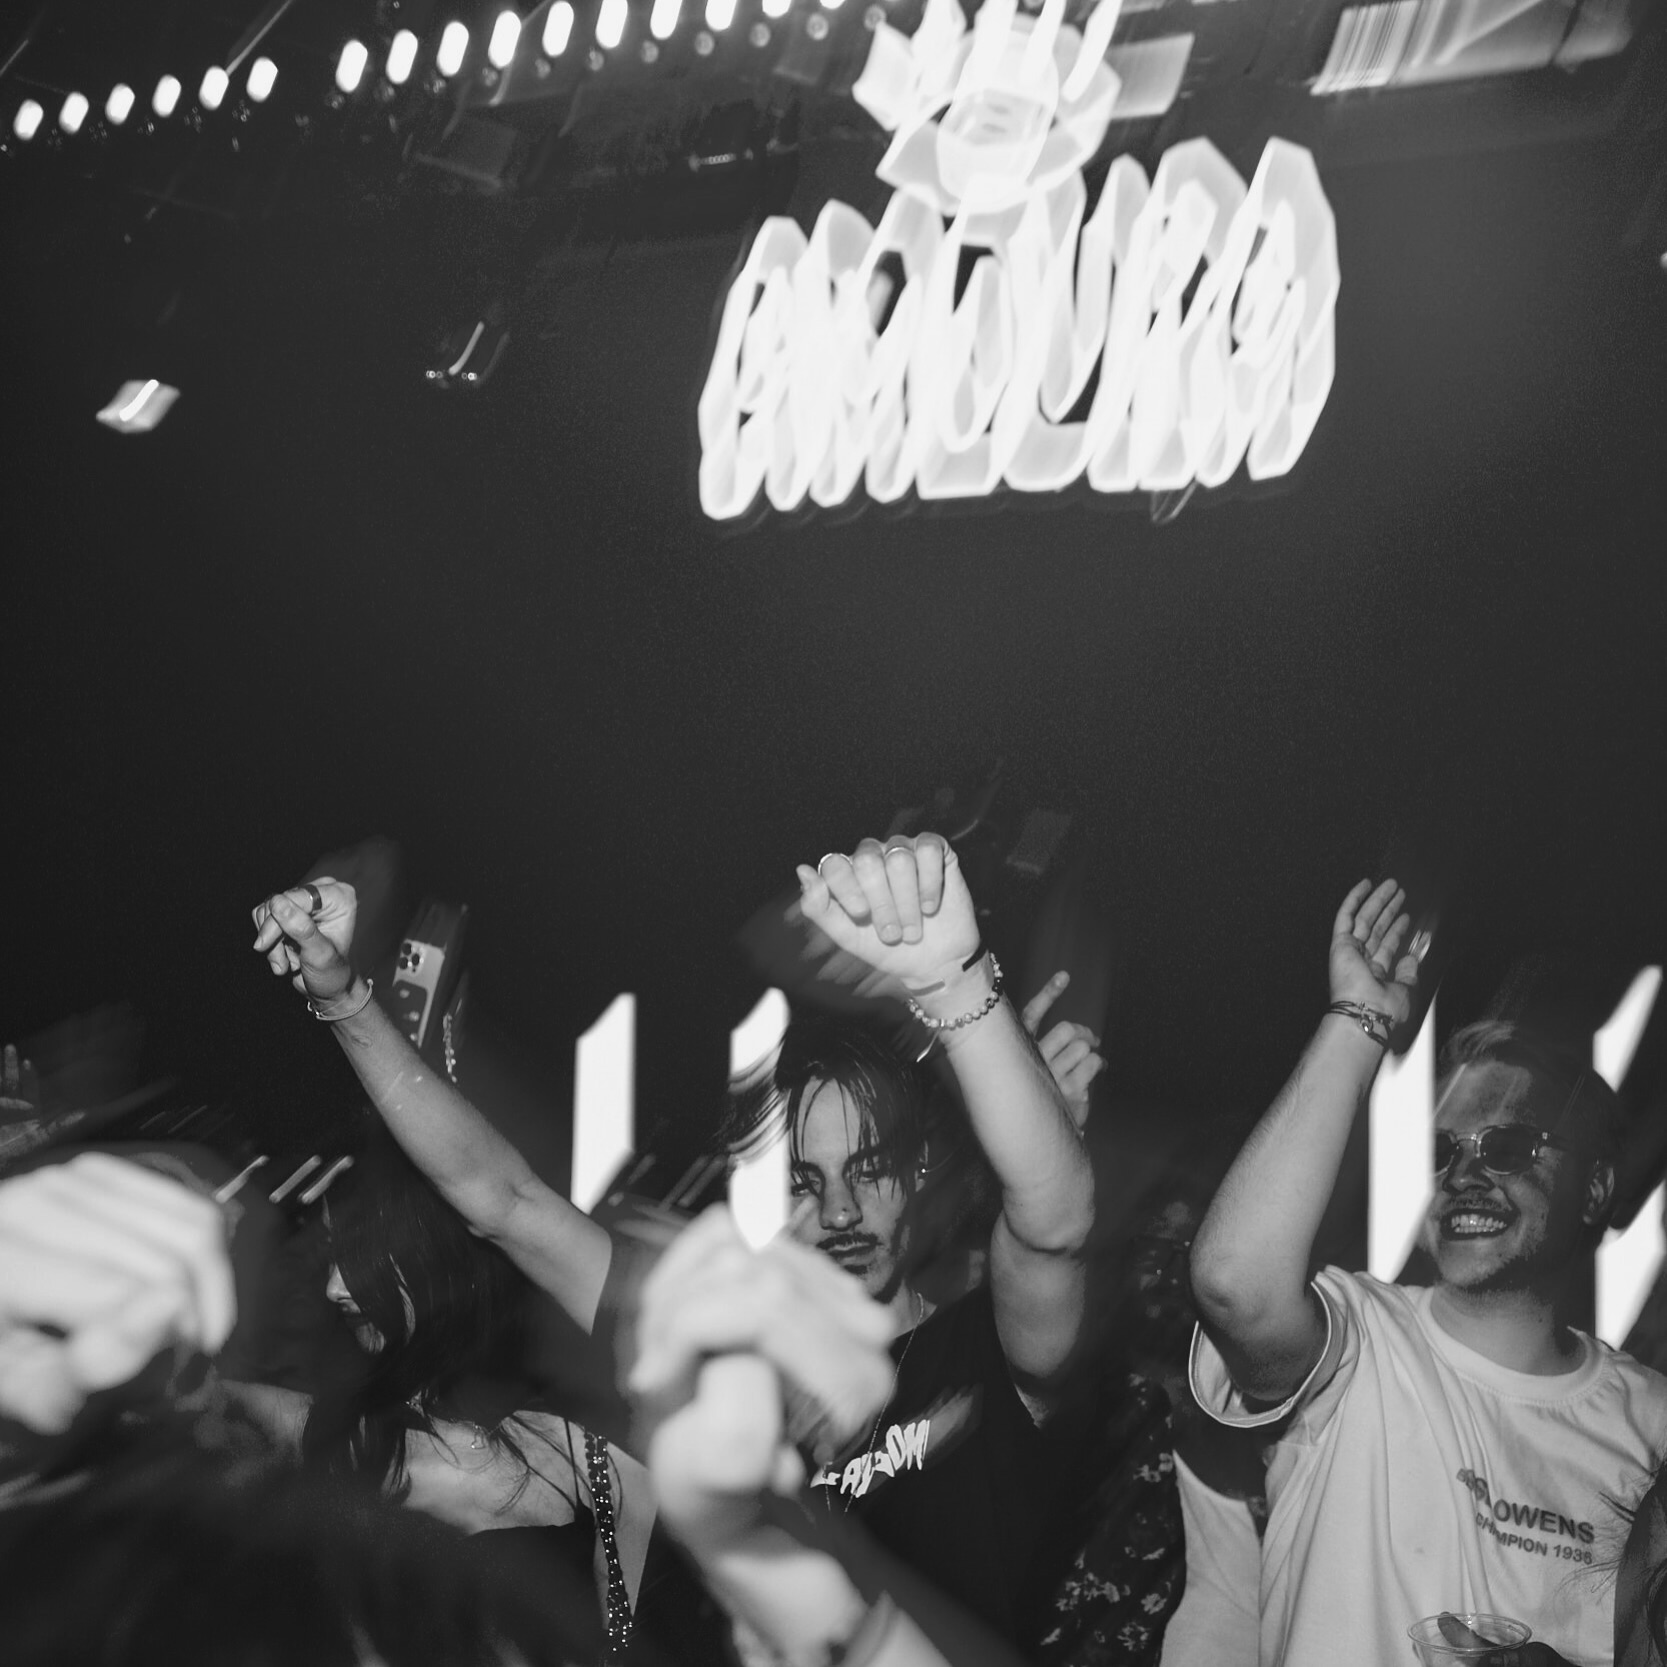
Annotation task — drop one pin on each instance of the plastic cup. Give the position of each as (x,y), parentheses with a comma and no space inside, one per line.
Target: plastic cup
(1434,1649)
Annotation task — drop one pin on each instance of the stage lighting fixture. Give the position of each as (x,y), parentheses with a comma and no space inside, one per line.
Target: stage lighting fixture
(454,44)
(138,407)
(402,55)
(74,113)
(350,67)
(119,105)
(212,93)
(610,24)
(558,28)
(263,76)
(720,14)
(28,119)
(663,19)
(776,8)
(506,36)
(166,95)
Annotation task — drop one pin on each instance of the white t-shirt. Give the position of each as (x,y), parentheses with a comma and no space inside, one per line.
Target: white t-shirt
(1420,1476)
(1215,1624)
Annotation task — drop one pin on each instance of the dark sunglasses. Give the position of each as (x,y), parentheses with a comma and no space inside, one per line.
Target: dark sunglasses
(1503,1149)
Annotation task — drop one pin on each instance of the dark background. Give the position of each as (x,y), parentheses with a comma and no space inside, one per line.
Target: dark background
(323,601)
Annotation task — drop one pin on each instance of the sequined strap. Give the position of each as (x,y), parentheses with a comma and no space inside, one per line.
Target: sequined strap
(602,1508)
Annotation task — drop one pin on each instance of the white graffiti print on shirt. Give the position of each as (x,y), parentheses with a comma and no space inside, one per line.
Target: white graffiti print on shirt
(904,1448)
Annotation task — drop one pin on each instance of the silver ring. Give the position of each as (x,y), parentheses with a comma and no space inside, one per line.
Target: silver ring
(906,850)
(317,896)
(827,857)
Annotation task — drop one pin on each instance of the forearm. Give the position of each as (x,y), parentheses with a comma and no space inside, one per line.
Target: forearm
(1250,1258)
(1020,1118)
(478,1172)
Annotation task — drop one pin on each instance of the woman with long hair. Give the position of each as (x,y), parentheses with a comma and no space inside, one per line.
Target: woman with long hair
(439,1419)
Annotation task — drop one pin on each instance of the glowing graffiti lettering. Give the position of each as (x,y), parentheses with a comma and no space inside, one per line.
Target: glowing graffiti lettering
(1204,307)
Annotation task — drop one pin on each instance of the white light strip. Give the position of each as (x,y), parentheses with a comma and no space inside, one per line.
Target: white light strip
(212,93)
(558,28)
(1402,1136)
(1615,1044)
(119,105)
(26,123)
(402,57)
(506,36)
(74,113)
(166,96)
(263,77)
(350,67)
(720,14)
(662,21)
(604,1100)
(610,24)
(759,1190)
(777,8)
(454,47)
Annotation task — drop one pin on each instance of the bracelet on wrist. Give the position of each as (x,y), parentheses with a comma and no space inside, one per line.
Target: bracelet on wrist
(970,1018)
(335,1011)
(1376,1024)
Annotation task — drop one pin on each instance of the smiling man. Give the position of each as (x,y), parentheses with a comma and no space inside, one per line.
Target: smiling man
(1452,1447)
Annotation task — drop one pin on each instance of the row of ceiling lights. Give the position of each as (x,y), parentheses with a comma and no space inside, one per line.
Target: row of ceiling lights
(453,50)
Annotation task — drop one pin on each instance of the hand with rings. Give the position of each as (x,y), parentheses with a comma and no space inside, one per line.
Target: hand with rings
(1366,939)
(902,908)
(306,933)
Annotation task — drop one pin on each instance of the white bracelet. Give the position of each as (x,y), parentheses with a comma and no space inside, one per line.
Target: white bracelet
(333,1018)
(965,1019)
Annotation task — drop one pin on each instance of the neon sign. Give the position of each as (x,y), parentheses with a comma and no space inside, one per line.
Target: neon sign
(1204,306)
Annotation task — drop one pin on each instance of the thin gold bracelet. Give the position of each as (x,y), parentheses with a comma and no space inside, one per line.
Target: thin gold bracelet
(333,1018)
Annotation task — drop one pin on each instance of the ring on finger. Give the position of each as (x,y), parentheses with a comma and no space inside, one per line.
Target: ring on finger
(827,858)
(898,851)
(317,896)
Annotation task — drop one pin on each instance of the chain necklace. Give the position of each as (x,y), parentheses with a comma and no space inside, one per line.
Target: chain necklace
(896,1378)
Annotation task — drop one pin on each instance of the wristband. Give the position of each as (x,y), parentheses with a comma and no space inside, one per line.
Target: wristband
(331,1018)
(965,1019)
(1373,1021)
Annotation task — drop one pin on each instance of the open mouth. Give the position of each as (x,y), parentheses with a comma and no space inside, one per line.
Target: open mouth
(851,1254)
(1476,1218)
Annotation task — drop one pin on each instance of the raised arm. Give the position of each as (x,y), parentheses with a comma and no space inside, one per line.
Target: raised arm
(306,933)
(904,909)
(1250,1260)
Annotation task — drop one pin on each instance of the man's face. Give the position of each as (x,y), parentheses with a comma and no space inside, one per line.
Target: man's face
(857,1214)
(1491,1232)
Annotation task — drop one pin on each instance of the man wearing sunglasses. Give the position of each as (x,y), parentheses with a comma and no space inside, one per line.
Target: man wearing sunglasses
(1451,1447)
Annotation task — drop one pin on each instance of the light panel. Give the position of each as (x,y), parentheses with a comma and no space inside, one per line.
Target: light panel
(351,66)
(604,1103)
(558,28)
(73,113)
(506,36)
(166,97)
(402,57)
(759,1182)
(26,123)
(263,77)
(119,105)
(610,24)
(662,21)
(454,47)
(720,14)
(212,93)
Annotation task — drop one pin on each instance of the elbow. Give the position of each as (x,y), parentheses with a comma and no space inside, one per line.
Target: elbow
(1223,1288)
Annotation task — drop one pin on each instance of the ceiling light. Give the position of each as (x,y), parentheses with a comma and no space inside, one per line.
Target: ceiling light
(263,76)
(350,67)
(166,95)
(558,28)
(212,93)
(402,55)
(28,119)
(454,44)
(663,19)
(610,24)
(719,13)
(506,35)
(119,105)
(74,113)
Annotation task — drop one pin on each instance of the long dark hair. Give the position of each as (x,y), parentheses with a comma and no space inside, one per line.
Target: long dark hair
(447,1304)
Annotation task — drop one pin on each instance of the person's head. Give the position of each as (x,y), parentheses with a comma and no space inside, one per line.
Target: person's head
(873,1142)
(199,1560)
(1512,1208)
(428,1301)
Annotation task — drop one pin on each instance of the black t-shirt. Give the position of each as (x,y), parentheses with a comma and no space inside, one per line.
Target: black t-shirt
(954,1477)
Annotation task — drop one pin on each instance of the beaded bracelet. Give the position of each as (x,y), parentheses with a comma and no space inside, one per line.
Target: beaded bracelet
(332,1018)
(965,1019)
(1372,1020)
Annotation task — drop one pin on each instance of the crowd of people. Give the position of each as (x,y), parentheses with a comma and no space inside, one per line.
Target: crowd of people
(949,1415)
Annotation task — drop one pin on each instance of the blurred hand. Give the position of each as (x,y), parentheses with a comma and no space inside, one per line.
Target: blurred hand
(902,909)
(724,1334)
(102,1265)
(1366,937)
(1070,1050)
(1525,1655)
(311,948)
(20,1089)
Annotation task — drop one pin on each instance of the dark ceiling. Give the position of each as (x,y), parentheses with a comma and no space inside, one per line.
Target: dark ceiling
(324,601)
